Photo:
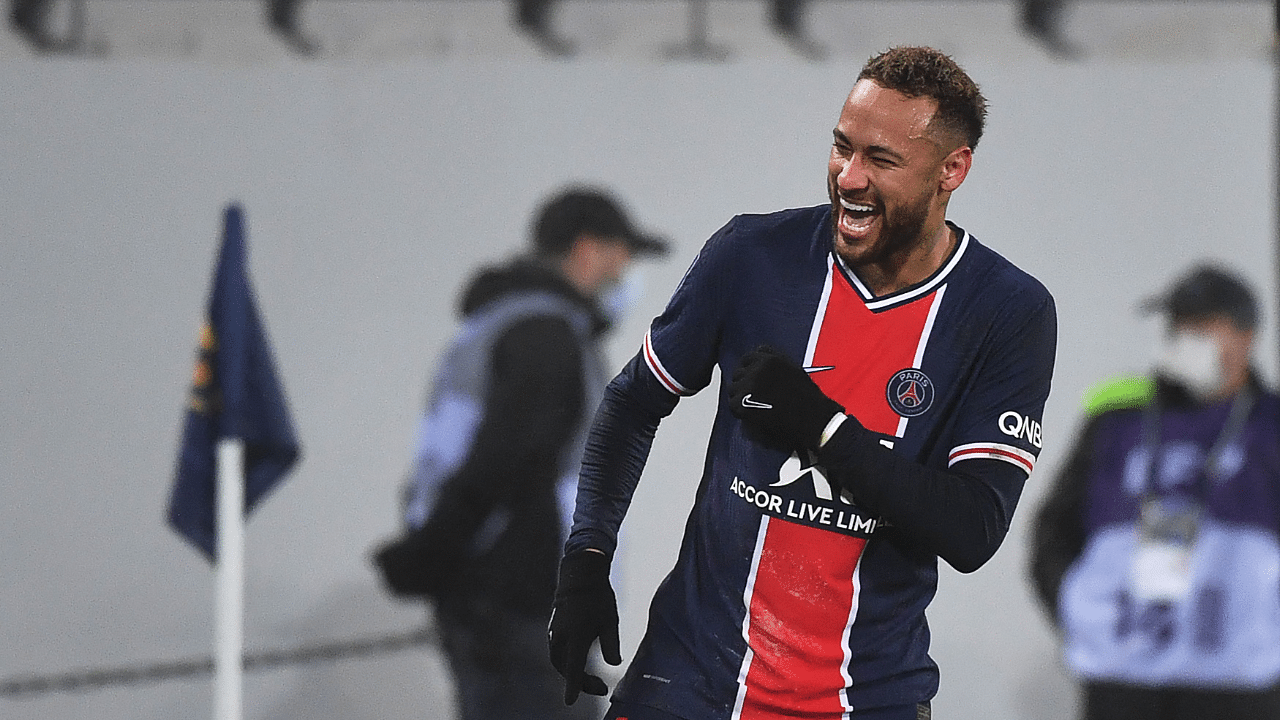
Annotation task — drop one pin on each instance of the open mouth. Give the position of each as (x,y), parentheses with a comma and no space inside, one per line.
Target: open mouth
(856,217)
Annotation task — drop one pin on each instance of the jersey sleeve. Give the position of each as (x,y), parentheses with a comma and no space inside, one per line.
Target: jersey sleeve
(677,359)
(962,513)
(1001,419)
(682,343)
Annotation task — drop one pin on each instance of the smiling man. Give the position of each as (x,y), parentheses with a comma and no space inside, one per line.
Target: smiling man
(883,379)
(896,158)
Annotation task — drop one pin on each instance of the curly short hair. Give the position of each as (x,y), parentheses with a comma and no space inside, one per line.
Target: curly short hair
(925,72)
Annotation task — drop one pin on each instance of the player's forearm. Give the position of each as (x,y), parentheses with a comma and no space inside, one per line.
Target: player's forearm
(958,515)
(617,449)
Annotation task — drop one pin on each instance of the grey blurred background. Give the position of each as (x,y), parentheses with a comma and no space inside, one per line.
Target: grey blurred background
(378,173)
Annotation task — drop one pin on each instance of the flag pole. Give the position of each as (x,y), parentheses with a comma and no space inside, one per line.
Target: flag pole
(229,607)
(237,444)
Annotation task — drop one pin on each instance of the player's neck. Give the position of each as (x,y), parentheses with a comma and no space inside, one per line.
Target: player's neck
(914,265)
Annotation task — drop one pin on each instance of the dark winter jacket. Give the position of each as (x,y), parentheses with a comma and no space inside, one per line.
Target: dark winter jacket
(501,440)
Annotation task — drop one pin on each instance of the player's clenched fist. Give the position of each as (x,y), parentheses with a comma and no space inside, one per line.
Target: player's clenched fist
(773,394)
(584,609)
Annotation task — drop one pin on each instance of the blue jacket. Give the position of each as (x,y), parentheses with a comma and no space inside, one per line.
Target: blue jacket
(501,439)
(1215,622)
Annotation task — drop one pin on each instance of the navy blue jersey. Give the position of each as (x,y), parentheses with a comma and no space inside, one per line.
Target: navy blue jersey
(787,598)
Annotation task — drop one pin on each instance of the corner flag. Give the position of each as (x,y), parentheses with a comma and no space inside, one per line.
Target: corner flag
(235,394)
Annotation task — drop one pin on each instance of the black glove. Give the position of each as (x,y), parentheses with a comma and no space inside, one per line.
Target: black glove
(420,563)
(584,609)
(775,396)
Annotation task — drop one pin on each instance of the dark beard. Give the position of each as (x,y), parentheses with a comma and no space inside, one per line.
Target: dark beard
(904,230)
(899,233)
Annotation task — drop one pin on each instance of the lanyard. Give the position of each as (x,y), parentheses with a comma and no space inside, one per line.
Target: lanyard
(1212,469)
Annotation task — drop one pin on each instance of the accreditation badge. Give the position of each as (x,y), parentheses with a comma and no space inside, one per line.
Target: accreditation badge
(1167,530)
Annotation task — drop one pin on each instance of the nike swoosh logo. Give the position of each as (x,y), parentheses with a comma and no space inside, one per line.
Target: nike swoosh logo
(819,368)
(748,402)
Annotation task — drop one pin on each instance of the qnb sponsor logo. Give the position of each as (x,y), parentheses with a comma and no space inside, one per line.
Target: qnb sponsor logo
(1016,425)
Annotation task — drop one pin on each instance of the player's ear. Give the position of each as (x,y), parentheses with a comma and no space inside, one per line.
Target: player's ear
(955,167)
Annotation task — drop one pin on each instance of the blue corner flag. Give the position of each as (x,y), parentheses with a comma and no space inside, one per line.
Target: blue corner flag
(234,393)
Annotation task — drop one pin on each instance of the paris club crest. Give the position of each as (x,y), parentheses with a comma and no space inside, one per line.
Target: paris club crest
(910,392)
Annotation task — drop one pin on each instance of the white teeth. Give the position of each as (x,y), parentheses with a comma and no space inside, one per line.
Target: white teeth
(856,226)
(856,207)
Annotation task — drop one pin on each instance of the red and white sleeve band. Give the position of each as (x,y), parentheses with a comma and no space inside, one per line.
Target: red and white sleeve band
(660,372)
(993,451)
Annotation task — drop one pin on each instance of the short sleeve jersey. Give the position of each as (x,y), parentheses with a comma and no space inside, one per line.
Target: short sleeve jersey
(787,598)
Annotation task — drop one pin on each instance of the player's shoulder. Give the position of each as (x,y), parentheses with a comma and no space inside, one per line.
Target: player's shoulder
(803,218)
(998,279)
(778,227)
(787,237)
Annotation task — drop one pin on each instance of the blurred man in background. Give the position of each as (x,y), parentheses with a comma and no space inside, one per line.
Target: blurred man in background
(489,505)
(1157,551)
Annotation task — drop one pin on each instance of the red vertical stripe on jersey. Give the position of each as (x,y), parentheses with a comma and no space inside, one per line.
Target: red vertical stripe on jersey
(865,349)
(804,596)
(800,608)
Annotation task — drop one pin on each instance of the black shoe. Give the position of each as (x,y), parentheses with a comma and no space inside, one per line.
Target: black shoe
(533,18)
(27,17)
(553,44)
(282,16)
(786,18)
(1041,19)
(548,40)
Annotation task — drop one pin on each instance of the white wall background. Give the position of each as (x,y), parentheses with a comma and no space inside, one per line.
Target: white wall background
(371,192)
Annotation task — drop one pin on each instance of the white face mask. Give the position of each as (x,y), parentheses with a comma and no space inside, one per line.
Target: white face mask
(1194,361)
(623,295)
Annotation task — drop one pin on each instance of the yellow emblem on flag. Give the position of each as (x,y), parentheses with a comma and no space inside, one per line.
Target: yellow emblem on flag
(202,384)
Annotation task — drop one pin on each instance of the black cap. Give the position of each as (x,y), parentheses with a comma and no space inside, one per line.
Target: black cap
(1208,291)
(592,211)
